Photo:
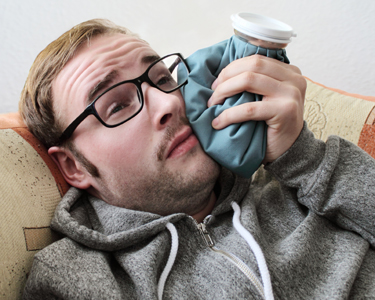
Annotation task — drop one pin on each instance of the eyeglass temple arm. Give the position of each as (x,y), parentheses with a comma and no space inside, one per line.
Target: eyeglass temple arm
(70,129)
(175,63)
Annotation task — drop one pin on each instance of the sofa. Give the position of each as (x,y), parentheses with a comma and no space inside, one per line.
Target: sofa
(31,184)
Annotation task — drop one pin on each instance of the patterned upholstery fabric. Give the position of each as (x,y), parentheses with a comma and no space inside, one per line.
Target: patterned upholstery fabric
(31,184)
(331,111)
(30,188)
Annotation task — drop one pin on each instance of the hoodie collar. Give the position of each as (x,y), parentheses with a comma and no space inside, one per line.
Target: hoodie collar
(99,225)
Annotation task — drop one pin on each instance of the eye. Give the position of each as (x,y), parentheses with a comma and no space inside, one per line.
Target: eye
(119,104)
(165,79)
(117,108)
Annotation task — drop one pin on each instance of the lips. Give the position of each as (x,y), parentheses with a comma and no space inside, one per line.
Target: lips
(182,143)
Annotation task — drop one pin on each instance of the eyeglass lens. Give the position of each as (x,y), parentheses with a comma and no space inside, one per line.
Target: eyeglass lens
(123,101)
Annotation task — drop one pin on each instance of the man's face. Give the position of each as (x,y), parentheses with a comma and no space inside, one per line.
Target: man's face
(153,162)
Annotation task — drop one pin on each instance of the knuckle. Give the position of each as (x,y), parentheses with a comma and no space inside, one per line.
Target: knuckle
(248,77)
(298,87)
(302,83)
(291,108)
(249,109)
(257,62)
(295,69)
(295,94)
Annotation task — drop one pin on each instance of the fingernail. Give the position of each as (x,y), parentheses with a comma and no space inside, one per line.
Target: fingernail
(215,122)
(214,84)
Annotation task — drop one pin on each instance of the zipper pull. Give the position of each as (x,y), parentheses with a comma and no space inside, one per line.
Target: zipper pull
(205,235)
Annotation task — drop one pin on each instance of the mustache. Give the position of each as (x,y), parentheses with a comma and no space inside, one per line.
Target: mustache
(169,134)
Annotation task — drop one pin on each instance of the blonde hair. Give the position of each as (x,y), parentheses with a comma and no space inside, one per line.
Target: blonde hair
(36,103)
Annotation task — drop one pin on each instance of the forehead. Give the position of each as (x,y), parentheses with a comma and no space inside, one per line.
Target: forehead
(91,63)
(100,48)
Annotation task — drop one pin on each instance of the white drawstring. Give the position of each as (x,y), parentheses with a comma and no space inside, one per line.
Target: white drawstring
(262,265)
(171,259)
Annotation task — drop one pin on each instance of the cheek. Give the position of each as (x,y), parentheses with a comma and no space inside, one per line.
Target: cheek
(114,148)
(179,95)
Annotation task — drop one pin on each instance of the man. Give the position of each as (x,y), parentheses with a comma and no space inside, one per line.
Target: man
(149,214)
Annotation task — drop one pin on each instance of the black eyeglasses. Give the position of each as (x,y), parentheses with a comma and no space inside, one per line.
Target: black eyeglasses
(124,100)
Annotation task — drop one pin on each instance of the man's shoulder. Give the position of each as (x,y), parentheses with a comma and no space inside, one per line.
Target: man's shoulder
(73,262)
(72,271)
(66,252)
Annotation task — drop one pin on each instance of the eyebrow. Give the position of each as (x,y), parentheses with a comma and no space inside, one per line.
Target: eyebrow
(102,84)
(148,59)
(108,79)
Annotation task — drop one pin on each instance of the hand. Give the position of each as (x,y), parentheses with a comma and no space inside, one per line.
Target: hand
(283,89)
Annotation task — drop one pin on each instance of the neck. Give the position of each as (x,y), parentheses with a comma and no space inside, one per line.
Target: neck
(207,209)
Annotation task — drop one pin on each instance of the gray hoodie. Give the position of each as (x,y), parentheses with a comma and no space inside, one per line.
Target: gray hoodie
(302,228)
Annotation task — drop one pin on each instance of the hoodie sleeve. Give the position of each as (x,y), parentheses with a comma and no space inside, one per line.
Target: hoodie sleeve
(335,179)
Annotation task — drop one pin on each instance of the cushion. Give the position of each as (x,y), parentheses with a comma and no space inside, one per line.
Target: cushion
(31,184)
(331,111)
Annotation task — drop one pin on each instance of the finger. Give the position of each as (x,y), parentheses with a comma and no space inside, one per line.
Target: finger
(243,82)
(241,113)
(271,112)
(257,84)
(257,64)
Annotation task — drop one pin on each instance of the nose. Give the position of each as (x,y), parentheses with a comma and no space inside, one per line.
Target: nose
(163,108)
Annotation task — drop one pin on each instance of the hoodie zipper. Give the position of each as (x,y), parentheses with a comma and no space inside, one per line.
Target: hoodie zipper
(202,227)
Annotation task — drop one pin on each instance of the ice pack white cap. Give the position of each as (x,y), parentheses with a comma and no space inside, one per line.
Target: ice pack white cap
(263,28)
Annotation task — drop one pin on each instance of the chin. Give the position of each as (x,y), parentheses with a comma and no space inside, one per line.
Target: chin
(201,163)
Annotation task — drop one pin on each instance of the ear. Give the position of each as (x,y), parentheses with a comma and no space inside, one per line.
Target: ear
(74,173)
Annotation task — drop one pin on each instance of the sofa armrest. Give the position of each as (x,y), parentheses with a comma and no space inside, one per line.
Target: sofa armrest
(335,112)
(30,188)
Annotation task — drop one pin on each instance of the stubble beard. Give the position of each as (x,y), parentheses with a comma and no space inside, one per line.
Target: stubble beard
(166,192)
(177,192)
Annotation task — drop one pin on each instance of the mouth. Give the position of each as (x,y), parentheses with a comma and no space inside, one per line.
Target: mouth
(182,143)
